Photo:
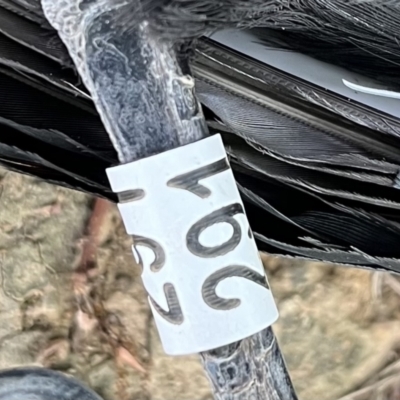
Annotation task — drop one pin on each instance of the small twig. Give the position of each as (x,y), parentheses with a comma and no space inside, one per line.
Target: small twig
(376,283)
(91,242)
(393,283)
(91,313)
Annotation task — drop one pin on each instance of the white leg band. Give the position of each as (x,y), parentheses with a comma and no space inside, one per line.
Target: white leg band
(201,268)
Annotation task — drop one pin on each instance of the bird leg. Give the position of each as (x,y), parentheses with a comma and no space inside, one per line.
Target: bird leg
(139,82)
(144,94)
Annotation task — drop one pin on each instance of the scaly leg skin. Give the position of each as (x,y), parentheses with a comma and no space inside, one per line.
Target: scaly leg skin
(138,83)
(145,96)
(251,369)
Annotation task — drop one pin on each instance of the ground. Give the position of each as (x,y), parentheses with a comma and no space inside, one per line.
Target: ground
(71,299)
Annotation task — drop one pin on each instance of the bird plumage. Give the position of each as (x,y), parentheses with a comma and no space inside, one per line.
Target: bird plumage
(319,173)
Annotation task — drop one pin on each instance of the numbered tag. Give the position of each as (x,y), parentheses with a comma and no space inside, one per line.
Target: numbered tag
(201,268)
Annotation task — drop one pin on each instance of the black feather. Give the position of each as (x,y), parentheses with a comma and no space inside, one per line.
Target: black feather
(319,174)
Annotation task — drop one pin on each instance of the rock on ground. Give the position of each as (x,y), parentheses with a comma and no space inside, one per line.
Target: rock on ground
(71,299)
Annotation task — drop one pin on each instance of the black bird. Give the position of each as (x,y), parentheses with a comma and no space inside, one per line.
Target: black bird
(318,169)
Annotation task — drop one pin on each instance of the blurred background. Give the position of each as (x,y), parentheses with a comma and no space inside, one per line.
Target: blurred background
(71,299)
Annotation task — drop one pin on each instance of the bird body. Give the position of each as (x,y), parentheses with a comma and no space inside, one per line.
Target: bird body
(318,170)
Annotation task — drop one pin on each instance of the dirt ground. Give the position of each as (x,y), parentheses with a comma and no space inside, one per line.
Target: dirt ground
(71,299)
